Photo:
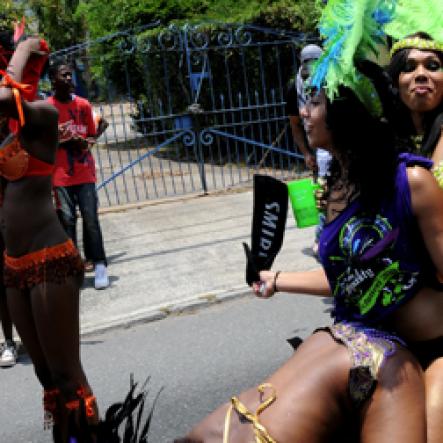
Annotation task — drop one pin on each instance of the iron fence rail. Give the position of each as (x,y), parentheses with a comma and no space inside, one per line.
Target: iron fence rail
(194,109)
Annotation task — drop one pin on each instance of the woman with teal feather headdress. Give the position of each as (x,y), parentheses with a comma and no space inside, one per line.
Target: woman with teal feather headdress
(355,375)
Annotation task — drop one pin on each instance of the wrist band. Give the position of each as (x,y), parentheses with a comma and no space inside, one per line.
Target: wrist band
(274,286)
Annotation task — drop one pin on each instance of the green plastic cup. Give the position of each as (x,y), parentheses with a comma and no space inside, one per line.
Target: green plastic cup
(302,197)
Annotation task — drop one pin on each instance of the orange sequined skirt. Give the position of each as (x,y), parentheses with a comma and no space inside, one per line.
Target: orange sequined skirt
(52,264)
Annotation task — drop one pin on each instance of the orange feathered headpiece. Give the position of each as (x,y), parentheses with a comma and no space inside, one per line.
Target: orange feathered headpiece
(33,69)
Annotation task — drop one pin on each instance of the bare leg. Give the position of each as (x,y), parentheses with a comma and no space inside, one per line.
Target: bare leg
(396,411)
(21,313)
(4,315)
(20,308)
(312,401)
(55,310)
(434,400)
(47,320)
(56,315)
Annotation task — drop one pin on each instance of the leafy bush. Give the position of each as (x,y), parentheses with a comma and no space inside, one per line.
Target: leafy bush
(68,20)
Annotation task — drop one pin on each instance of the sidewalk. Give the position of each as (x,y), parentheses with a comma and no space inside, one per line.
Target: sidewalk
(177,255)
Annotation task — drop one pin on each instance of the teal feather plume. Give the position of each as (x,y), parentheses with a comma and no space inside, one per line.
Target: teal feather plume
(352,29)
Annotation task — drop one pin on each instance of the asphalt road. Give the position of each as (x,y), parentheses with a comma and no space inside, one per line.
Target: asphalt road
(200,359)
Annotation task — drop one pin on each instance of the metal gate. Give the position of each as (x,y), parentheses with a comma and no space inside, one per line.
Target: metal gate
(192,109)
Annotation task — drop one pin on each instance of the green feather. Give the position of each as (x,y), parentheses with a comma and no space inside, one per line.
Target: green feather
(351,32)
(412,16)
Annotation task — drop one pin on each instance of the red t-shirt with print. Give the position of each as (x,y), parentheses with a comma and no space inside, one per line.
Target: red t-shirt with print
(79,112)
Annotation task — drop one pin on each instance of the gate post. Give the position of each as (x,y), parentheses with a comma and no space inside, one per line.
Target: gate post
(196,111)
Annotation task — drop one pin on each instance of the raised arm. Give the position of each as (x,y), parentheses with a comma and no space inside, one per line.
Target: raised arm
(427,205)
(15,72)
(13,79)
(38,119)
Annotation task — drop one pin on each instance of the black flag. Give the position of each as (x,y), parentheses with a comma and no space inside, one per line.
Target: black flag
(268,225)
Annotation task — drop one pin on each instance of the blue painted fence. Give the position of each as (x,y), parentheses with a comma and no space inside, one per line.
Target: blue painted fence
(192,109)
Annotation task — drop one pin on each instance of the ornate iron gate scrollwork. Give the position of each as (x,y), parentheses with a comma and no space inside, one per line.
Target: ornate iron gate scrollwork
(191,109)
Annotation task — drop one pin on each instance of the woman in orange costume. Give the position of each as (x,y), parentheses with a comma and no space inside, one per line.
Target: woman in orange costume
(43,270)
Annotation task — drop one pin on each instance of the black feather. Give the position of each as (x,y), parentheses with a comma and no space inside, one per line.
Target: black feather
(119,419)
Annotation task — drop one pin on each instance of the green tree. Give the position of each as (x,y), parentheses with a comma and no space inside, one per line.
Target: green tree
(107,17)
(114,15)
(288,14)
(58,22)
(67,22)
(10,12)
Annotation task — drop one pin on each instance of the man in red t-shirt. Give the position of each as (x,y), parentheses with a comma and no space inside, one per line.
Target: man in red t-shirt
(74,176)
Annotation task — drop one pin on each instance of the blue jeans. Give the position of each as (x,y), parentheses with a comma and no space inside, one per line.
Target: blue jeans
(85,197)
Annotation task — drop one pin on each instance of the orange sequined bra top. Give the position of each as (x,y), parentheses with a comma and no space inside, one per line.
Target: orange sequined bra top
(15,162)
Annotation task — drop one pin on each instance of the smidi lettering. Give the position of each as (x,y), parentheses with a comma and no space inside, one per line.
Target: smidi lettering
(269,225)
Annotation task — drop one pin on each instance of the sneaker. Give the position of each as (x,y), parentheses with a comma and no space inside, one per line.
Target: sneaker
(89,266)
(8,354)
(101,276)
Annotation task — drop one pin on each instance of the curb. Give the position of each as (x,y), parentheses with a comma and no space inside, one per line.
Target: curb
(155,313)
(174,199)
